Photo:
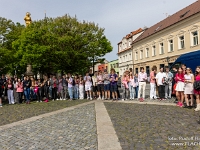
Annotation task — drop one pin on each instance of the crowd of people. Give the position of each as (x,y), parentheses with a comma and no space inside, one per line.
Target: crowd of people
(100,85)
(104,86)
(181,82)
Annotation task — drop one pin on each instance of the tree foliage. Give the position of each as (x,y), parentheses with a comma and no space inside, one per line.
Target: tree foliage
(61,43)
(9,32)
(51,44)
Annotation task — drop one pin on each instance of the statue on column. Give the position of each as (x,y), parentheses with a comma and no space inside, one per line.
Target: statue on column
(28,21)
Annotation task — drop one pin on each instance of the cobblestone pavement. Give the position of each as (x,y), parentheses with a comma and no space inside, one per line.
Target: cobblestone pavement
(70,130)
(146,127)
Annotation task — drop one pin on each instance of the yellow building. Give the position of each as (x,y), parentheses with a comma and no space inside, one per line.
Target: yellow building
(162,43)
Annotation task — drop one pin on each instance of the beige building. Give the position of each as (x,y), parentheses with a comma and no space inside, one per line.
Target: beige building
(125,53)
(162,43)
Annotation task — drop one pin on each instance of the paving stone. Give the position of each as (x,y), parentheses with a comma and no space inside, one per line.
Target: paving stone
(151,126)
(73,129)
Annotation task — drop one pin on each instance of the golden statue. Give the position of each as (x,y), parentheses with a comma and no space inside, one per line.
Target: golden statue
(27,19)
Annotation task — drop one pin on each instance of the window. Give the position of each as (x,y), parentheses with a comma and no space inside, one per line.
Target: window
(136,70)
(147,52)
(147,70)
(124,59)
(195,38)
(181,42)
(136,55)
(120,59)
(154,50)
(161,48)
(171,46)
(129,43)
(130,57)
(141,54)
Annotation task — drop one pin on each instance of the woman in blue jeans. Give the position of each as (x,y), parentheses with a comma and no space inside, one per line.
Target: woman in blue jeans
(76,87)
(70,86)
(136,85)
(27,85)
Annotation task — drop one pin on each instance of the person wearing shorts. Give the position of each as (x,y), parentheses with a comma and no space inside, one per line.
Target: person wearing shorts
(88,85)
(100,85)
(106,78)
(113,84)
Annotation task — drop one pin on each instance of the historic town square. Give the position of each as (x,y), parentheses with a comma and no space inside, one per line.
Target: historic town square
(100,75)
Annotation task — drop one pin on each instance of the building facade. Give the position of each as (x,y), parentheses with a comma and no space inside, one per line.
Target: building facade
(113,65)
(96,66)
(125,53)
(161,44)
(101,67)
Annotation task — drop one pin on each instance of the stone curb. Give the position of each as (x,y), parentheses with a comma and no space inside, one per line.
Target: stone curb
(107,137)
(42,116)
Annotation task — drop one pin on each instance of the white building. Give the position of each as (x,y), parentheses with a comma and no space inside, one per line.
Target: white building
(125,52)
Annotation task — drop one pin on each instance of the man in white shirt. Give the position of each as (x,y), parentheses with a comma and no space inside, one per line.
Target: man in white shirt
(161,88)
(142,77)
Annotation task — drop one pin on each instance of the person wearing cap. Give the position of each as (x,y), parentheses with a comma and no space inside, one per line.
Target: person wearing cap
(106,78)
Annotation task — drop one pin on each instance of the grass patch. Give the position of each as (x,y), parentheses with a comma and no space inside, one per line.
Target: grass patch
(17,112)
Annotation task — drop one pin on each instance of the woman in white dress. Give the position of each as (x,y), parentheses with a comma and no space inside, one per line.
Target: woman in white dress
(189,90)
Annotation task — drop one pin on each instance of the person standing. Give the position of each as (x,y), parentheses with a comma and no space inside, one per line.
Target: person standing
(70,86)
(153,84)
(46,87)
(64,91)
(60,88)
(125,80)
(88,85)
(27,85)
(113,85)
(142,77)
(161,88)
(94,85)
(54,88)
(10,88)
(51,86)
(180,87)
(76,88)
(20,90)
(197,90)
(136,85)
(81,88)
(189,90)
(106,78)
(100,85)
(15,91)
(132,86)
(168,83)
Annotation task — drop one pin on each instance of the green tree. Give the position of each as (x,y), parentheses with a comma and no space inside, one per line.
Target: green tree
(61,43)
(9,32)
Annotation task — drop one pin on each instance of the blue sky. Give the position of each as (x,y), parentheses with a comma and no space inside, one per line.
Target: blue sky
(116,16)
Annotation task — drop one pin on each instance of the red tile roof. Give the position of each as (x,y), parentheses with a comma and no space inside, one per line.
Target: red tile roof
(132,34)
(181,15)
